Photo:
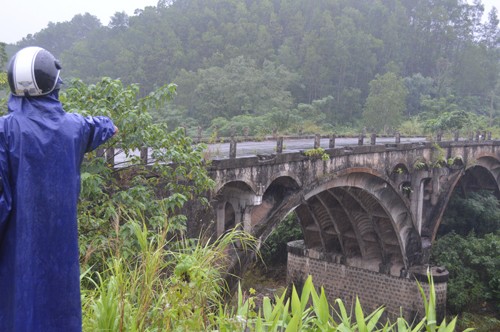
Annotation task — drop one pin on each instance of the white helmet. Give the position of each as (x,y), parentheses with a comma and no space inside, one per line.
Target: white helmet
(33,71)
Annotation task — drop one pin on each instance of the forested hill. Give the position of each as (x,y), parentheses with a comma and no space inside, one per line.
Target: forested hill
(288,64)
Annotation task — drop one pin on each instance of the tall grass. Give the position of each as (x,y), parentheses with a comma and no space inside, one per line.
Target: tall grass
(169,285)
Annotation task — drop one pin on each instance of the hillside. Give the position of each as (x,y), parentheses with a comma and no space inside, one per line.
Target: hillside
(289,66)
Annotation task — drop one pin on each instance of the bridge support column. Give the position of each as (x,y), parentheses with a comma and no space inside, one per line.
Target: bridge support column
(246,218)
(220,214)
(237,209)
(396,294)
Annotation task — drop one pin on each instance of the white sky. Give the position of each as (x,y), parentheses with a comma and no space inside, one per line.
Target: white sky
(19,18)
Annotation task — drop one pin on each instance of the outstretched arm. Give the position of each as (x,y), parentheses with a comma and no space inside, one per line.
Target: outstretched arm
(101,129)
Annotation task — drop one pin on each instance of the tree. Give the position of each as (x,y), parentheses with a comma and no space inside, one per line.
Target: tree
(418,86)
(490,35)
(444,114)
(60,37)
(478,213)
(3,76)
(468,245)
(282,122)
(240,87)
(3,61)
(3,55)
(334,48)
(449,121)
(119,21)
(152,192)
(385,103)
(474,267)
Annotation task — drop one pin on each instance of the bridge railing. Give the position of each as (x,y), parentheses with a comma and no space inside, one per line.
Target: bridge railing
(116,158)
(477,136)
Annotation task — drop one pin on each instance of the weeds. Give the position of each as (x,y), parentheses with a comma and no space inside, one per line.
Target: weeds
(168,285)
(317,153)
(178,285)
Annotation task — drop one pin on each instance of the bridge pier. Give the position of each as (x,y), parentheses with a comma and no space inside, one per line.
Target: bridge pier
(235,210)
(398,295)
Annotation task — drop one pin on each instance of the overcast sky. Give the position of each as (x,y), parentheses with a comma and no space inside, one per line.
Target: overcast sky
(19,18)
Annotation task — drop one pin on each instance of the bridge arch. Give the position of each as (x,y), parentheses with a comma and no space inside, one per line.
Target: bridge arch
(483,174)
(231,200)
(275,199)
(363,218)
(285,176)
(491,163)
(399,169)
(401,178)
(235,183)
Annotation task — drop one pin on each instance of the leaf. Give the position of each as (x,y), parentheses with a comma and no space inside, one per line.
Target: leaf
(294,324)
(373,319)
(306,291)
(321,306)
(360,318)
(343,313)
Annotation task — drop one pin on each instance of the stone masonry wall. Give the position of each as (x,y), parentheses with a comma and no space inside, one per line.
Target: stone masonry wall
(397,295)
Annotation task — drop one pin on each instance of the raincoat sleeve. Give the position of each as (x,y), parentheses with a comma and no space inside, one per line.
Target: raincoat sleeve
(101,129)
(5,190)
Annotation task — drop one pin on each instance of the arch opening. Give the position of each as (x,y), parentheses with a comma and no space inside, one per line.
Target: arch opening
(477,178)
(351,225)
(400,170)
(231,202)
(477,181)
(274,196)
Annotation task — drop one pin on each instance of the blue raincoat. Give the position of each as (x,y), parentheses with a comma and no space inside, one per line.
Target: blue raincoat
(41,149)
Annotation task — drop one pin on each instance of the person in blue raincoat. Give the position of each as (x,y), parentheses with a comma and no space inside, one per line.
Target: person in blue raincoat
(41,150)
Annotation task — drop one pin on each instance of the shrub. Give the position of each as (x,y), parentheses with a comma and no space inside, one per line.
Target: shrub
(274,249)
(474,270)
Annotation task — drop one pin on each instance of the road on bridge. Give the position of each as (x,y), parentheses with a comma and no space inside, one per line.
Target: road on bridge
(253,148)
(246,149)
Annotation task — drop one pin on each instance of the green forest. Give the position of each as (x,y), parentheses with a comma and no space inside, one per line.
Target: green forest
(264,67)
(286,66)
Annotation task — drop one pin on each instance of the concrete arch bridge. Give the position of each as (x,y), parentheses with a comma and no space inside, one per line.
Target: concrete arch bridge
(369,214)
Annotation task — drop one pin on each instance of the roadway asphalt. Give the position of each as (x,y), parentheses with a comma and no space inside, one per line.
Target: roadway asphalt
(243,149)
(253,148)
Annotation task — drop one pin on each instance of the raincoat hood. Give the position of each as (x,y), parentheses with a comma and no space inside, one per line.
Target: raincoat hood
(47,103)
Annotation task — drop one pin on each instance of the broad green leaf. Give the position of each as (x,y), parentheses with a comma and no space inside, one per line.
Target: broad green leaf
(360,317)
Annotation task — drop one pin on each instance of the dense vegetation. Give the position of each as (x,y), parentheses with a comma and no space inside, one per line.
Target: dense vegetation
(468,245)
(287,66)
